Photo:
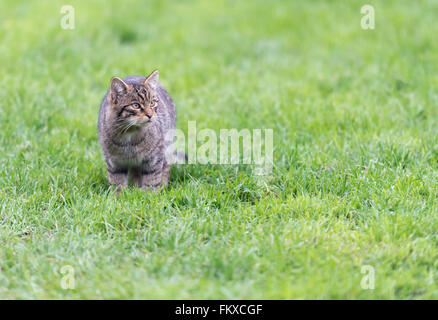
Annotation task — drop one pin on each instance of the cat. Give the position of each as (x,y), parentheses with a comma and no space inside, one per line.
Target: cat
(136,123)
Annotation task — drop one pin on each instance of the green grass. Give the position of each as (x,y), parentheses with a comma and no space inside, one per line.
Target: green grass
(355,123)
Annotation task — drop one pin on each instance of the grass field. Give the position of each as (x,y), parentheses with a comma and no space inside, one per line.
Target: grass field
(355,121)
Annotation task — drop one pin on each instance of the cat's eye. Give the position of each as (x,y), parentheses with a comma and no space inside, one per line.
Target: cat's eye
(136,105)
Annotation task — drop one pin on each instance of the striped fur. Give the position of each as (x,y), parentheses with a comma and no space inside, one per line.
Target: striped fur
(135,115)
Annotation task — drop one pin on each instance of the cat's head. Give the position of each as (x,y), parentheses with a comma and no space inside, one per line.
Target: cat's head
(134,104)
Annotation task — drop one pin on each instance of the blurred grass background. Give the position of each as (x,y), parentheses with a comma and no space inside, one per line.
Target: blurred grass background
(354,114)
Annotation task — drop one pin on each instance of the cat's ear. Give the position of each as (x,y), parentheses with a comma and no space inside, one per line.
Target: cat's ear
(117,88)
(152,80)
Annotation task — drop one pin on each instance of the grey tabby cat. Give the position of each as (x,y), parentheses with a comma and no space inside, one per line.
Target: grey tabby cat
(135,117)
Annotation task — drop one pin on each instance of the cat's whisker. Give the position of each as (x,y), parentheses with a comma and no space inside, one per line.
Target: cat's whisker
(123,125)
(131,123)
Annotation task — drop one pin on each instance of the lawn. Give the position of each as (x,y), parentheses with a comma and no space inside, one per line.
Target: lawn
(355,122)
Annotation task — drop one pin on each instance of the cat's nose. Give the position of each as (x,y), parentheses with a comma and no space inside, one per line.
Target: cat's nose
(149,113)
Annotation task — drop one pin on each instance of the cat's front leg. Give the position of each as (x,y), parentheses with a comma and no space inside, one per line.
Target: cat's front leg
(118,178)
(152,176)
(165,174)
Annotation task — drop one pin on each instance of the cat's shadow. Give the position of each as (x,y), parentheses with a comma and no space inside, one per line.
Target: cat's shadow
(179,176)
